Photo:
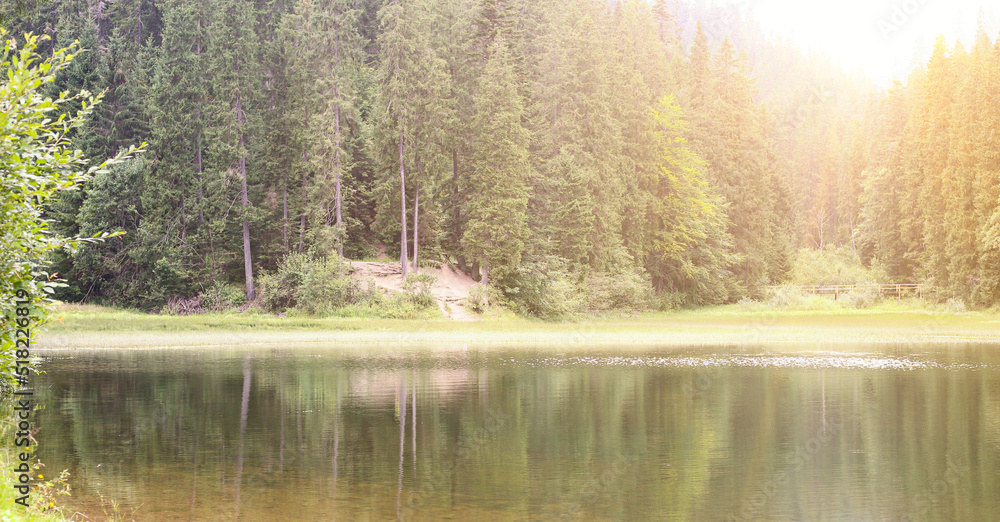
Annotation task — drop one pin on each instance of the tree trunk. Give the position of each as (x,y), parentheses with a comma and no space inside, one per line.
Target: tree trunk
(336,150)
(416,207)
(456,205)
(456,199)
(183,214)
(336,155)
(403,261)
(302,223)
(416,227)
(854,243)
(284,215)
(486,274)
(247,260)
(197,154)
(198,169)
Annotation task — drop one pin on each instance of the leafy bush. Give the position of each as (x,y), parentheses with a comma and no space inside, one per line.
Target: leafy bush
(785,296)
(479,298)
(549,289)
(323,285)
(834,266)
(37,161)
(621,290)
(955,305)
(670,301)
(863,296)
(314,284)
(417,288)
(543,288)
(221,297)
(750,304)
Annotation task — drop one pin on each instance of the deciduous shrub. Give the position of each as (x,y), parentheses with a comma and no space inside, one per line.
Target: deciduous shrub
(312,283)
(322,285)
(955,305)
(37,161)
(220,297)
(834,266)
(785,296)
(417,288)
(619,290)
(479,298)
(863,296)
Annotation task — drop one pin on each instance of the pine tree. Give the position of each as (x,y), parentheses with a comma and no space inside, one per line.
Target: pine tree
(395,117)
(987,191)
(322,46)
(964,160)
(883,190)
(936,116)
(574,119)
(690,248)
(497,211)
(234,70)
(179,102)
(455,48)
(728,131)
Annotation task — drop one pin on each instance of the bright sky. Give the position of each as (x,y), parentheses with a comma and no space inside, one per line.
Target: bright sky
(884,38)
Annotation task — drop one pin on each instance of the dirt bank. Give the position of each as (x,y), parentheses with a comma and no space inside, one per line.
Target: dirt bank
(450,290)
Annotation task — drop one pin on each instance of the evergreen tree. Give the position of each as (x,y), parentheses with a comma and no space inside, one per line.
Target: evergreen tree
(987,190)
(322,52)
(690,248)
(234,69)
(729,132)
(497,211)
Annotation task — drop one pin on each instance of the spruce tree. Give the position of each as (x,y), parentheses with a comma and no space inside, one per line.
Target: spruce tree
(497,229)
(234,70)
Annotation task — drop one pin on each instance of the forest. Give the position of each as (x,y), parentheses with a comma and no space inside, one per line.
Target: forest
(620,154)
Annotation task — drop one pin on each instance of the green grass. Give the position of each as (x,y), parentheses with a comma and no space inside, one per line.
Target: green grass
(75,326)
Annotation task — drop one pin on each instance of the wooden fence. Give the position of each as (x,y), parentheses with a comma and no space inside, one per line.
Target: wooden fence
(898,290)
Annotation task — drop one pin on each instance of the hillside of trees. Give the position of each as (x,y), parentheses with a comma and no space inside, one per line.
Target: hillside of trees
(664,154)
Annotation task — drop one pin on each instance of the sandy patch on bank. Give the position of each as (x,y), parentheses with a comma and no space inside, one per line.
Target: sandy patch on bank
(450,290)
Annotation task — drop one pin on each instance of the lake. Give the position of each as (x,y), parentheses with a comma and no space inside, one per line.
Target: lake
(887,432)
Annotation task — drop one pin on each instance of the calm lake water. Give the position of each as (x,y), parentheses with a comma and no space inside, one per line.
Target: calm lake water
(776,432)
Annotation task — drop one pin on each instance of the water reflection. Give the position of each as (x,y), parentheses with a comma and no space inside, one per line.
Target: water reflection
(731,433)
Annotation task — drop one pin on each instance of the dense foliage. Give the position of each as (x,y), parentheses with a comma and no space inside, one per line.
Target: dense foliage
(36,162)
(548,148)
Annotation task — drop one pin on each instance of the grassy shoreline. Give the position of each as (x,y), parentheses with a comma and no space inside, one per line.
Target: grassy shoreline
(75,326)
